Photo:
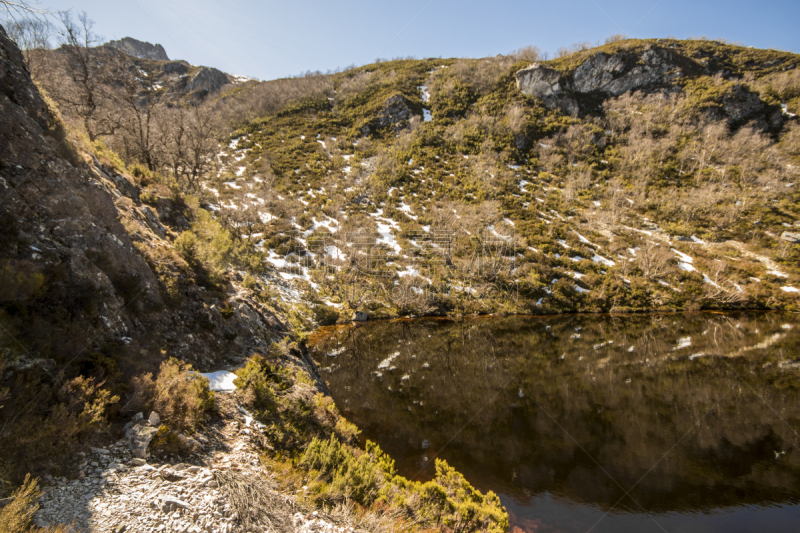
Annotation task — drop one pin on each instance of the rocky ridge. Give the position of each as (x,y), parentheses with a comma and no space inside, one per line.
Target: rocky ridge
(142,50)
(207,80)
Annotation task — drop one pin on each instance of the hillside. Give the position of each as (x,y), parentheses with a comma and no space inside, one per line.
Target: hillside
(641,175)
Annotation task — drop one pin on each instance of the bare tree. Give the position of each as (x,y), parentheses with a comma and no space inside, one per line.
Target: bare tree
(141,137)
(32,35)
(245,221)
(189,142)
(19,8)
(529,53)
(87,69)
(654,260)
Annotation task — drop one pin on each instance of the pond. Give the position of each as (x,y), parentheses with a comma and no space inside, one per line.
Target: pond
(603,423)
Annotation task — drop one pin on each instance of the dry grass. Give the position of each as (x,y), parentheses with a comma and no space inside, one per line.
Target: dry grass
(257,504)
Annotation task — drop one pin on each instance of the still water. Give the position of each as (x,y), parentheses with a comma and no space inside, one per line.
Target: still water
(588,422)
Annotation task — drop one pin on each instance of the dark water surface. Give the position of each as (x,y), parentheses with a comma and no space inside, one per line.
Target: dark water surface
(588,422)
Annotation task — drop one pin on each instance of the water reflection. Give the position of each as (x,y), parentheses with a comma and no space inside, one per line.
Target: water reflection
(697,413)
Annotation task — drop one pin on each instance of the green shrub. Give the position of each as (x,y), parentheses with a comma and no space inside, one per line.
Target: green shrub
(249,282)
(358,478)
(448,503)
(179,395)
(149,197)
(324,315)
(186,245)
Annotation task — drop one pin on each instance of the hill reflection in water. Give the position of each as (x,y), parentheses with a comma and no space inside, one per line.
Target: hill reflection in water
(695,415)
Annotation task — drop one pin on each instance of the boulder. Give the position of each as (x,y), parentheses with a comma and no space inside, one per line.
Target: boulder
(539,81)
(791,237)
(140,432)
(739,102)
(358,316)
(395,112)
(187,442)
(170,504)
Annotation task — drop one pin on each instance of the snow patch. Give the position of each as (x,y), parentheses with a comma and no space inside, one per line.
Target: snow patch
(221,381)
(683,342)
(384,365)
(602,260)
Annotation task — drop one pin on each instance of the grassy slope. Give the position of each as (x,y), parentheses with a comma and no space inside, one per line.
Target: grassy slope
(485,139)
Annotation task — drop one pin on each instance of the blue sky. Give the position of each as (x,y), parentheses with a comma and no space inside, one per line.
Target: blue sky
(270,39)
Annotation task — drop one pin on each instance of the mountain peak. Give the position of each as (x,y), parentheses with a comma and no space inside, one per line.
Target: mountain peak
(140,49)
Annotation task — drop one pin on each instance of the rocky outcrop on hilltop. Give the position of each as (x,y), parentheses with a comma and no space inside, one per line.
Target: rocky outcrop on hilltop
(619,73)
(608,74)
(140,49)
(540,81)
(207,81)
(614,74)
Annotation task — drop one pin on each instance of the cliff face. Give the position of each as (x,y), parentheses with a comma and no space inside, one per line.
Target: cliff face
(140,49)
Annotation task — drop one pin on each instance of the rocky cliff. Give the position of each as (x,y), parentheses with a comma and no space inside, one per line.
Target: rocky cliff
(651,69)
(140,49)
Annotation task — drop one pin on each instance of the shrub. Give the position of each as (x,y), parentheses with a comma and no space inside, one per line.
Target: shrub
(471,510)
(356,477)
(179,395)
(16,516)
(186,245)
(324,315)
(249,282)
(448,503)
(148,196)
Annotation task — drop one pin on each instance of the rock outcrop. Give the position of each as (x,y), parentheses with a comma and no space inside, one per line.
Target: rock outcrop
(791,237)
(140,432)
(604,74)
(140,49)
(622,72)
(540,81)
(395,112)
(178,68)
(207,81)
(739,103)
